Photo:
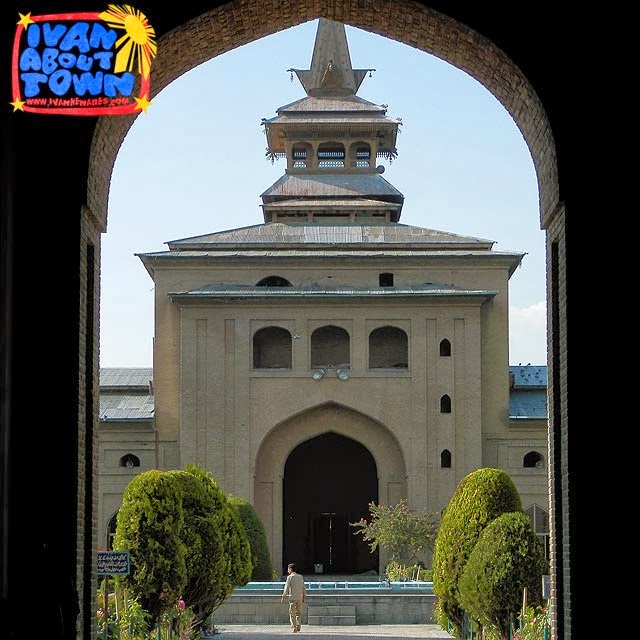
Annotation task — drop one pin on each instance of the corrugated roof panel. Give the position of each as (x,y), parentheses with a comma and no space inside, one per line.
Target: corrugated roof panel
(331,185)
(528,375)
(345,233)
(220,291)
(125,376)
(258,253)
(126,406)
(333,103)
(334,203)
(528,404)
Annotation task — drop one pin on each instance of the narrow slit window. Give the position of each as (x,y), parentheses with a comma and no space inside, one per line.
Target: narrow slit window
(445,404)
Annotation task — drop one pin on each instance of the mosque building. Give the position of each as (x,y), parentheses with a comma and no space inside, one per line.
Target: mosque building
(330,356)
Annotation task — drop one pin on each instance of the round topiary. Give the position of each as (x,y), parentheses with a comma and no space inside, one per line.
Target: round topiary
(479,498)
(507,558)
(262,568)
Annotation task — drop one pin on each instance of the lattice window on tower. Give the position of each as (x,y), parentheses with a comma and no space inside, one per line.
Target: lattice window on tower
(300,153)
(331,155)
(363,154)
(360,154)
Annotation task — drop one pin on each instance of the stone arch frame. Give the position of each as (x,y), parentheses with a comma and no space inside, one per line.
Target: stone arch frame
(541,44)
(274,449)
(231,25)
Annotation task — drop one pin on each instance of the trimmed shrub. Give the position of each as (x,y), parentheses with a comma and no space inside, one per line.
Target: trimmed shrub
(253,527)
(205,562)
(507,558)
(149,526)
(479,498)
(236,556)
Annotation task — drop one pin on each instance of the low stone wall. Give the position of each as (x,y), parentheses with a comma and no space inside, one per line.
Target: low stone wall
(371,608)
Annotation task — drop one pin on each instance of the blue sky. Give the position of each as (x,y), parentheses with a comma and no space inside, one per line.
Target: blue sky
(195,163)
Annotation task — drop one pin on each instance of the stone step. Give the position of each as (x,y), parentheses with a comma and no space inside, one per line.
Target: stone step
(331,615)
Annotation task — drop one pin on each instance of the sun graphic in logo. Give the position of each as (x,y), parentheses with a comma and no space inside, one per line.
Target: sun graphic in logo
(138,44)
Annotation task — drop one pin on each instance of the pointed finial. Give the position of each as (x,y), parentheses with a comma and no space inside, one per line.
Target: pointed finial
(331,73)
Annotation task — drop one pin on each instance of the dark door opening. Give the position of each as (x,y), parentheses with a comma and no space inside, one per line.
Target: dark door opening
(329,482)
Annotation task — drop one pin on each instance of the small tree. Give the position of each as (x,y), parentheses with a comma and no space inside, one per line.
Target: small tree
(236,559)
(261,558)
(507,558)
(401,532)
(479,498)
(205,556)
(149,526)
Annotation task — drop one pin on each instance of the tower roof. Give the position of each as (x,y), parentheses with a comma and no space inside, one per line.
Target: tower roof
(331,73)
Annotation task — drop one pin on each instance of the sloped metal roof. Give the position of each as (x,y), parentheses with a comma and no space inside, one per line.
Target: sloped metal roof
(528,375)
(528,393)
(333,203)
(222,291)
(332,234)
(367,185)
(126,406)
(125,377)
(341,104)
(528,404)
(126,394)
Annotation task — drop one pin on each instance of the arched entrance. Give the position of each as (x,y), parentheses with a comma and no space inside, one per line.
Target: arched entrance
(323,466)
(328,483)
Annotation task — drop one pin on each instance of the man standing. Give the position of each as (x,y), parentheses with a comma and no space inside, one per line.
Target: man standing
(295,592)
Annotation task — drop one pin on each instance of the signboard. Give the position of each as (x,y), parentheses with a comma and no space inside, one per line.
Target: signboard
(113,563)
(83,64)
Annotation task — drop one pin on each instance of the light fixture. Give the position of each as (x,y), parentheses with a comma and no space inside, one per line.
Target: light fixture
(342,374)
(319,374)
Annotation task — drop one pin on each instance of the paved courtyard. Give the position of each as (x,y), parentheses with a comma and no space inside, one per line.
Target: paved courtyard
(360,632)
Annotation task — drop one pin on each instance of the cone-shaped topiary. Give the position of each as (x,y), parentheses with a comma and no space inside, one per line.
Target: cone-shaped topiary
(149,526)
(507,558)
(236,558)
(479,498)
(262,569)
(205,562)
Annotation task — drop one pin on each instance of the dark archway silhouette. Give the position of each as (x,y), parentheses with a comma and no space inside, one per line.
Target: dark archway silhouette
(328,483)
(58,169)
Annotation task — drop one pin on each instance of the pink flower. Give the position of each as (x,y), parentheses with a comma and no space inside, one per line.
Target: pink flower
(181,605)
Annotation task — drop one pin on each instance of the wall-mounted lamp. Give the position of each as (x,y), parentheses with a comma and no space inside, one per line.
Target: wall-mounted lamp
(342,374)
(319,374)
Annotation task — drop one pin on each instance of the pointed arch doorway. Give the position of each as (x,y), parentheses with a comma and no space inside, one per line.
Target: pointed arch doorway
(328,482)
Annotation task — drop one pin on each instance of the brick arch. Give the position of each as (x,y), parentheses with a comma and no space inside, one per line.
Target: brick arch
(234,24)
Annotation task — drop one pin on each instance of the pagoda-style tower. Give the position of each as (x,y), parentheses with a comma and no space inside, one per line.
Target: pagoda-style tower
(331,139)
